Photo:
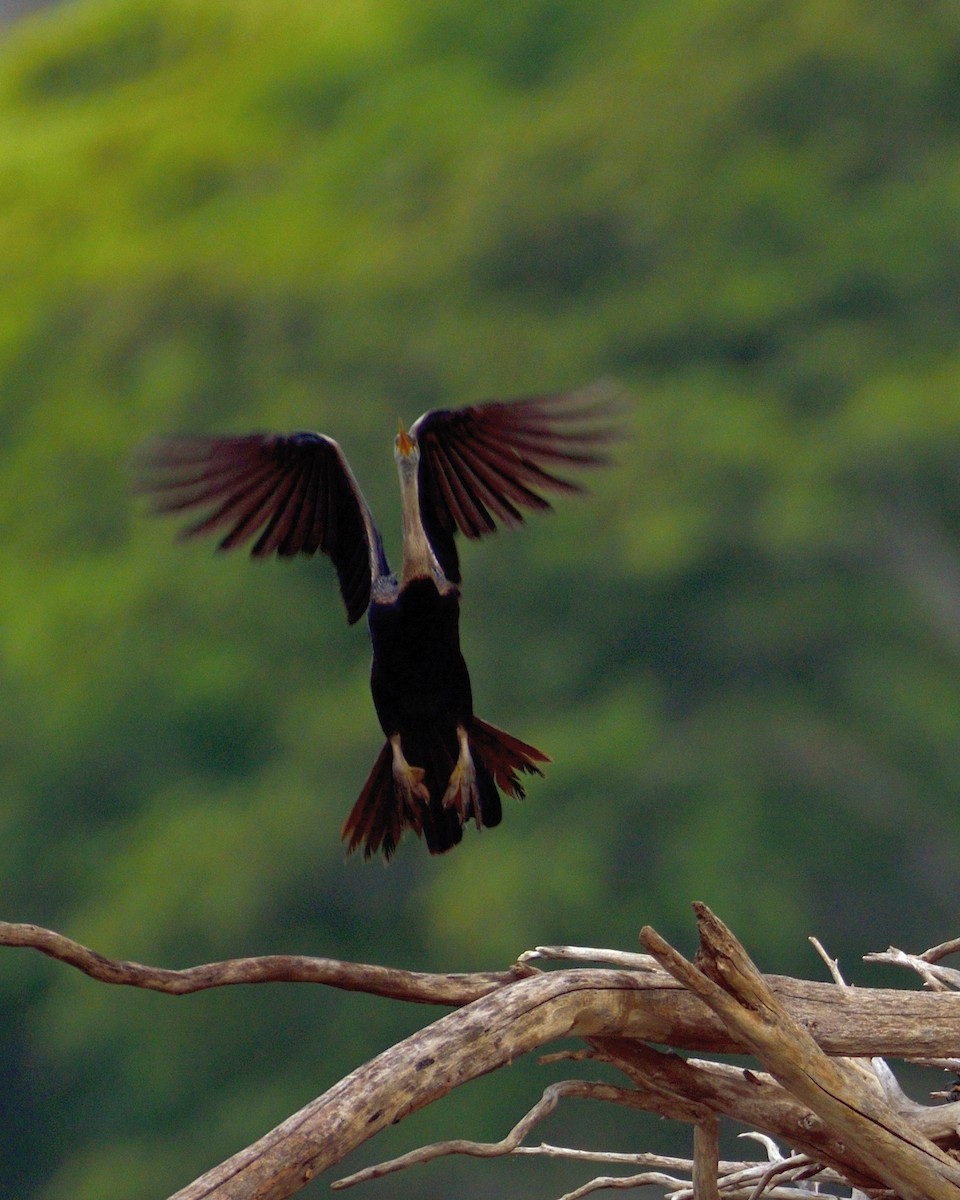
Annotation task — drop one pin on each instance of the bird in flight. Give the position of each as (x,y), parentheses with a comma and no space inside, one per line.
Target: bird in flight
(461,470)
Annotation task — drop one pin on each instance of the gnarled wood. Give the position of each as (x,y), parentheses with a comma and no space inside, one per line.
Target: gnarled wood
(878,1139)
(845,1115)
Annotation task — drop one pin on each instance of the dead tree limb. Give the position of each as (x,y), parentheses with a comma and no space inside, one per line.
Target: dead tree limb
(855,1021)
(878,1141)
(841,1115)
(420,987)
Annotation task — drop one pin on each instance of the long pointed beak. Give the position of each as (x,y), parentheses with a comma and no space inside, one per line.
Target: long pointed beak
(405,443)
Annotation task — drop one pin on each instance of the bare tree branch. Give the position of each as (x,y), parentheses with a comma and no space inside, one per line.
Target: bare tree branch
(882,1142)
(852,1021)
(752,1098)
(848,1118)
(935,953)
(394,984)
(937,978)
(626,1182)
(567,1089)
(461,1046)
(831,963)
(591,954)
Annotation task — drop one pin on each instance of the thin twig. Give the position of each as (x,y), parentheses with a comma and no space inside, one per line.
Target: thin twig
(552,1095)
(831,963)
(873,1069)
(935,953)
(753,1179)
(612,1158)
(647,1179)
(735,1178)
(798,1166)
(583,1054)
(937,979)
(774,1154)
(591,954)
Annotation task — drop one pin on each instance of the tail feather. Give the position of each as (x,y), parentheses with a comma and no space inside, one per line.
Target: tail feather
(503,755)
(381,813)
(377,820)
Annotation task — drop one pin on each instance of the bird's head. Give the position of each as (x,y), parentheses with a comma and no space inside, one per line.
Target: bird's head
(406,452)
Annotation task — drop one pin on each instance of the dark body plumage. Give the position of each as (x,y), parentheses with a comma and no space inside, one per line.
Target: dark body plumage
(418,678)
(421,690)
(460,470)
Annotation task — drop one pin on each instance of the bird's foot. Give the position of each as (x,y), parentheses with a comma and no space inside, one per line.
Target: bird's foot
(462,792)
(408,780)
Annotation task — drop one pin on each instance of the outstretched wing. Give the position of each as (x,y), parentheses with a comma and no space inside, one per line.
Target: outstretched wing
(297,493)
(484,464)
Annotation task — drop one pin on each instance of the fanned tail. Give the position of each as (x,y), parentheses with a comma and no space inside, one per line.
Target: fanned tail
(382,812)
(376,820)
(503,755)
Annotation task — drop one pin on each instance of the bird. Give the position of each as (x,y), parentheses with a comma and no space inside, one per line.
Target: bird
(463,470)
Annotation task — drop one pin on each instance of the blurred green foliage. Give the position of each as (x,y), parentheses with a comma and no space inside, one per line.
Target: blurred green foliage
(742,652)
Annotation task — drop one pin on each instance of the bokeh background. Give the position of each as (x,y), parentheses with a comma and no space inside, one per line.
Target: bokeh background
(743,652)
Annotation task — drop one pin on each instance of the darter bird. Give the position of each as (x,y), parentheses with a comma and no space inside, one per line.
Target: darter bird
(460,469)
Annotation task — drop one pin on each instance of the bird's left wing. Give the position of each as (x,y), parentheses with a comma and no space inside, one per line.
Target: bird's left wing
(483,464)
(297,493)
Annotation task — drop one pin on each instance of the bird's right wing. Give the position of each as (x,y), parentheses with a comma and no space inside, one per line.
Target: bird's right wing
(296,492)
(482,465)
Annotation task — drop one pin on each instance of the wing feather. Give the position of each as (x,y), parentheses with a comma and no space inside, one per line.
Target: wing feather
(451,510)
(286,505)
(469,490)
(294,538)
(483,465)
(296,492)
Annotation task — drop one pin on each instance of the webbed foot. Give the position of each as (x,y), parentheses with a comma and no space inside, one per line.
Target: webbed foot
(462,792)
(408,779)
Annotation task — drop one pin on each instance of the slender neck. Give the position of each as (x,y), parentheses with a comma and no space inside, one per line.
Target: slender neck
(418,558)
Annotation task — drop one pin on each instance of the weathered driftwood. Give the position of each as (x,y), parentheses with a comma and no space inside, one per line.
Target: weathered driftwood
(814,1089)
(876,1140)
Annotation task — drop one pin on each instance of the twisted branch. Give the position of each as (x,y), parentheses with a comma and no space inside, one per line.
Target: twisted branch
(847,1118)
(420,987)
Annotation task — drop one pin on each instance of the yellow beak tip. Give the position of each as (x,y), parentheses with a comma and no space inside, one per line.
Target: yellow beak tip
(404,441)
